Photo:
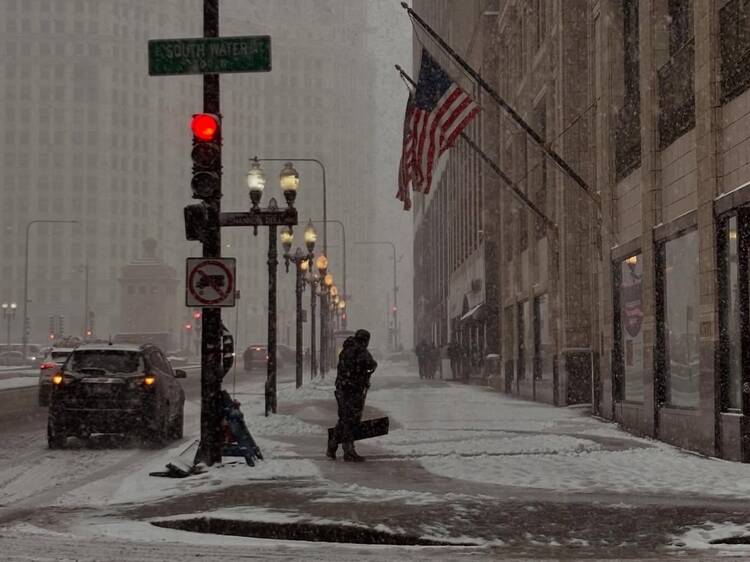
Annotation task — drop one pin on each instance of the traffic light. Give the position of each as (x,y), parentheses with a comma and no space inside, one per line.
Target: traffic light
(196,221)
(227,350)
(188,326)
(197,315)
(206,156)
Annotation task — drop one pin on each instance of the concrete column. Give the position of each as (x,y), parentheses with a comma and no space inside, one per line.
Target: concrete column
(651,203)
(707,123)
(602,49)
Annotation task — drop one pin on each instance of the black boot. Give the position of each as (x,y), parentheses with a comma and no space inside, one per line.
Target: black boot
(331,449)
(350,455)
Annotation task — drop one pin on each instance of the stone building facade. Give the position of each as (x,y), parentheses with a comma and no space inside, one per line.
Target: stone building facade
(644,307)
(546,273)
(674,312)
(455,273)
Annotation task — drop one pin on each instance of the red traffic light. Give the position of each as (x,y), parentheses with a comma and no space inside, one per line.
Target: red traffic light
(205,126)
(197,315)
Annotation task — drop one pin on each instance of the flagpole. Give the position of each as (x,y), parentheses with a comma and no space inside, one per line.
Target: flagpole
(495,168)
(514,115)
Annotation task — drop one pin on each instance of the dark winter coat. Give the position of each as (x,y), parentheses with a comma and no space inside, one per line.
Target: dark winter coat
(355,366)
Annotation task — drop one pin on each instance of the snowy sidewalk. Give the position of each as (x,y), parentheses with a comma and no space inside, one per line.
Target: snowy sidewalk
(462,464)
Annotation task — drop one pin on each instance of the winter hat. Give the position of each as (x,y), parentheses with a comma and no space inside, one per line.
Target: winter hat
(363,336)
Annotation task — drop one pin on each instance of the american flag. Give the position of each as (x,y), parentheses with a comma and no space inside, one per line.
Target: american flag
(440,111)
(406,165)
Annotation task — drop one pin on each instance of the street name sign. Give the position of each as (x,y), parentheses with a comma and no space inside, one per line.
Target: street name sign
(263,217)
(209,55)
(210,282)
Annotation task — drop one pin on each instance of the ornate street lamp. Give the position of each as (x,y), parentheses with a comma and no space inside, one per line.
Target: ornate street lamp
(301,259)
(272,217)
(289,180)
(256,182)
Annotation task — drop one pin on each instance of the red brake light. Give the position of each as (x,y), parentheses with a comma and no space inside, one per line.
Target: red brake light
(48,365)
(204,126)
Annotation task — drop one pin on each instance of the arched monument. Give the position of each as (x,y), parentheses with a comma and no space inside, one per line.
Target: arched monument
(148,303)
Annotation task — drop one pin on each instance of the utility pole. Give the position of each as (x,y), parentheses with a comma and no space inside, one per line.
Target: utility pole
(271,377)
(209,451)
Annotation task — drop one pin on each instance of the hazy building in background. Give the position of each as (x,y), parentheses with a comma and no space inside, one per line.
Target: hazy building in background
(91,137)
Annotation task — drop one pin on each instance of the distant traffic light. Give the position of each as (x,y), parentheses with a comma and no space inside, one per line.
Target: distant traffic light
(197,315)
(206,155)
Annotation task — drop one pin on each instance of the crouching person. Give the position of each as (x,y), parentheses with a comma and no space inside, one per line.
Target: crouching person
(355,367)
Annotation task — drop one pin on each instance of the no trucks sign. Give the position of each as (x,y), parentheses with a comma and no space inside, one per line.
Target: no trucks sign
(210,282)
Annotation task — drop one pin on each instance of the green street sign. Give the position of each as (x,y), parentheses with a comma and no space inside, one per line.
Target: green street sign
(209,55)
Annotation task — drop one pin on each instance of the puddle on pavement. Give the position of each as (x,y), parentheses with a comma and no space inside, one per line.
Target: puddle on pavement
(298,531)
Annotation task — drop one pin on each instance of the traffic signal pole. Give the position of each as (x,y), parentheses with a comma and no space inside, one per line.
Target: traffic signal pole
(209,451)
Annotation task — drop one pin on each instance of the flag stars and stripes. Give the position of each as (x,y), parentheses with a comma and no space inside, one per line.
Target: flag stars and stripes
(435,115)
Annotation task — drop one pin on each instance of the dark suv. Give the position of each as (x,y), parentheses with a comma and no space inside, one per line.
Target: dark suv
(120,388)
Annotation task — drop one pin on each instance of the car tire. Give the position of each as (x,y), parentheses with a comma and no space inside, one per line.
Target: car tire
(55,436)
(157,437)
(176,427)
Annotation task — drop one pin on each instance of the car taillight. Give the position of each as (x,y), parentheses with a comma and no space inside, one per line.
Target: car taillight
(60,379)
(48,365)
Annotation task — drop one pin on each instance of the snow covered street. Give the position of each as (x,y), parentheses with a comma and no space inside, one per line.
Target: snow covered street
(461,465)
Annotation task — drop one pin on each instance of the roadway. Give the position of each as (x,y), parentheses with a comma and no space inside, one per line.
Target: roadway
(32,475)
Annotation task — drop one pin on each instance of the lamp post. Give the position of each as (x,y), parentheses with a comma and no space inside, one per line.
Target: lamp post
(394,309)
(9,312)
(313,278)
(343,253)
(301,260)
(325,287)
(321,263)
(272,217)
(26,323)
(325,197)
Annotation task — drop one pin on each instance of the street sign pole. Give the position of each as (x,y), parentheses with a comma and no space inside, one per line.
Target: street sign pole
(209,451)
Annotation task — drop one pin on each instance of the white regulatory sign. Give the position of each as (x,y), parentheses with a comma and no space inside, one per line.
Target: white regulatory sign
(210,282)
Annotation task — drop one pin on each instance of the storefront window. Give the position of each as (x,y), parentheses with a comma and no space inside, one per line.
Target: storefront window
(734,396)
(543,337)
(682,368)
(631,326)
(521,341)
(528,340)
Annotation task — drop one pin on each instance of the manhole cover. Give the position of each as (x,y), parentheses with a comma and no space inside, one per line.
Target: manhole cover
(298,532)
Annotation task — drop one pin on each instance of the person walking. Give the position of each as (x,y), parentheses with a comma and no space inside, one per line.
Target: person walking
(453,355)
(353,373)
(421,352)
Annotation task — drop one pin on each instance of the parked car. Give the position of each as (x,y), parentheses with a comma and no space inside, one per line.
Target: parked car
(126,389)
(34,352)
(255,358)
(51,364)
(13,359)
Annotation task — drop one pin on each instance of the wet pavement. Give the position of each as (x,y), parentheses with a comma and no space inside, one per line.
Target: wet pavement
(403,498)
